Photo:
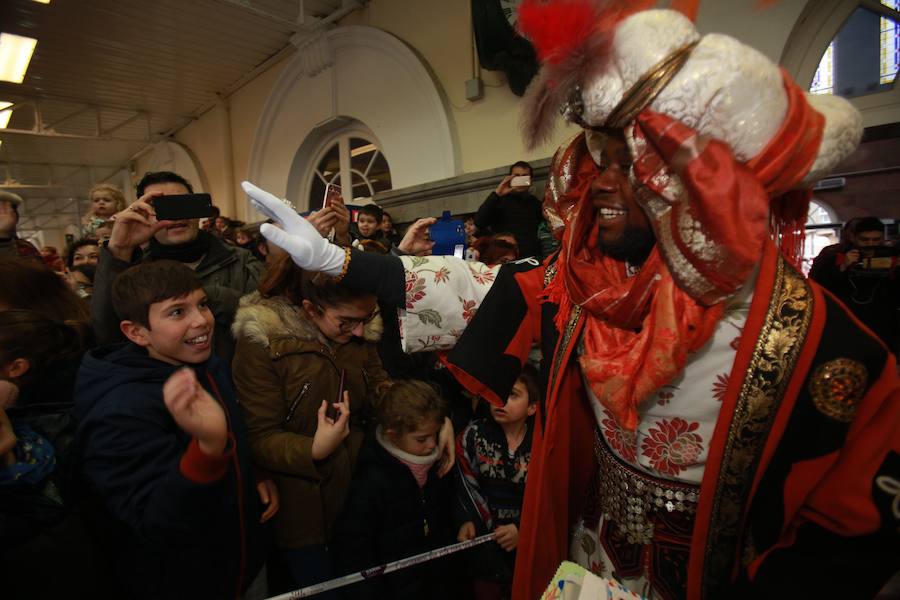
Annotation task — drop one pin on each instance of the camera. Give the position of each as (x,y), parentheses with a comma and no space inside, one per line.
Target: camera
(877,260)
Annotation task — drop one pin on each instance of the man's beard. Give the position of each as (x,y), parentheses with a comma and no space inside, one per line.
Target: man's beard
(633,246)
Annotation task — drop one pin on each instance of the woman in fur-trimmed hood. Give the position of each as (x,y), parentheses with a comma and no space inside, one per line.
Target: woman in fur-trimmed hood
(301,340)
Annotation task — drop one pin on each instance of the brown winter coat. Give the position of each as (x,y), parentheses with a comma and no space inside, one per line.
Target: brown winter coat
(283,369)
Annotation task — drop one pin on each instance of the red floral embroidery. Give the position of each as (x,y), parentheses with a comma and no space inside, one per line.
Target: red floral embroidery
(469,309)
(441,275)
(622,441)
(665,394)
(415,289)
(482,277)
(720,385)
(673,446)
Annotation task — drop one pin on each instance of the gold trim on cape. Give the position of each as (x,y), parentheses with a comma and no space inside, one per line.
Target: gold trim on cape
(771,367)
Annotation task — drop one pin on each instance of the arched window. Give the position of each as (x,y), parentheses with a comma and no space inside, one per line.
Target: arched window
(822,229)
(864,56)
(351,159)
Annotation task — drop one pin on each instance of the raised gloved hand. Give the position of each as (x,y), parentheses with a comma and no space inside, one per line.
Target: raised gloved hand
(297,236)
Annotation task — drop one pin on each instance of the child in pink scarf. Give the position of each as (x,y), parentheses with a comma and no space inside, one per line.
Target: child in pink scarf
(398,506)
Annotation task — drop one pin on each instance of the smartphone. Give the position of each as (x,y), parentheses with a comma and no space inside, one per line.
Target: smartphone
(183,206)
(331,411)
(520,181)
(332,194)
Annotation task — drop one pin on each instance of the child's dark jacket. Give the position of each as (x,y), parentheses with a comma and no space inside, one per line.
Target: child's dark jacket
(182,524)
(388,517)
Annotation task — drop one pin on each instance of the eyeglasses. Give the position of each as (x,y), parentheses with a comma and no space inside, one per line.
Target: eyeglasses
(347,324)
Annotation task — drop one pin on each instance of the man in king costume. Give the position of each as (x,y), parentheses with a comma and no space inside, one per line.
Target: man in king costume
(715,424)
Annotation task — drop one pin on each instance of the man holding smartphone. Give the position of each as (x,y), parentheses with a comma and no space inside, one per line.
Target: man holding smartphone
(512,208)
(227,272)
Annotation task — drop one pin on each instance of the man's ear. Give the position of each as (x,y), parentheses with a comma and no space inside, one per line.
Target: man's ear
(135,332)
(17,367)
(310,309)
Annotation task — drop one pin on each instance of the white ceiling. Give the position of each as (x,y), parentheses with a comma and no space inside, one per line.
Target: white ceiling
(111,77)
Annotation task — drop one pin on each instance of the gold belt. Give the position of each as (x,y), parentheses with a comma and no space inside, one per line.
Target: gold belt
(632,500)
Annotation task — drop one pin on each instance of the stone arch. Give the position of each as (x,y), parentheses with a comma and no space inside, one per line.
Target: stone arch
(359,73)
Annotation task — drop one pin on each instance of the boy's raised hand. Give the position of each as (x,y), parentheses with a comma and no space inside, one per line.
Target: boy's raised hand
(330,434)
(196,412)
(416,241)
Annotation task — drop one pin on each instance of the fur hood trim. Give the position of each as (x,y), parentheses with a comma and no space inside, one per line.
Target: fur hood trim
(265,319)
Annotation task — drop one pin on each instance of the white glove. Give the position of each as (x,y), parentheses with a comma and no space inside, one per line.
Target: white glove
(297,236)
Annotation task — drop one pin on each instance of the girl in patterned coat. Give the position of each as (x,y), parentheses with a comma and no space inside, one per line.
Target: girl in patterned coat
(493,455)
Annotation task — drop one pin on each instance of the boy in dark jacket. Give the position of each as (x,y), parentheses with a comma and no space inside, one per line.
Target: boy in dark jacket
(163,448)
(397,505)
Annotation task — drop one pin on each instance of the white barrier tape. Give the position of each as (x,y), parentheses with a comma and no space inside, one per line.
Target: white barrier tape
(390,567)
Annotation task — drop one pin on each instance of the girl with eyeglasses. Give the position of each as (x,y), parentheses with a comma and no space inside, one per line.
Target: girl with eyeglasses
(307,374)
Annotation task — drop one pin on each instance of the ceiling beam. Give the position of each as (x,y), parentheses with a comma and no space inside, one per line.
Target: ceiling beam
(247,7)
(29,98)
(71,115)
(69,136)
(138,115)
(33,163)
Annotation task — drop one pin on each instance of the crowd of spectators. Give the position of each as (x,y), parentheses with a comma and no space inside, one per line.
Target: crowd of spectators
(185,412)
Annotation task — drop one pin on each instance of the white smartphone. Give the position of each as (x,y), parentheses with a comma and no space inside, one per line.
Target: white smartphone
(520,181)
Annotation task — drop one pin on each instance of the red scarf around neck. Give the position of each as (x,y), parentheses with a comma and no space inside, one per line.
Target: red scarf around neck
(639,330)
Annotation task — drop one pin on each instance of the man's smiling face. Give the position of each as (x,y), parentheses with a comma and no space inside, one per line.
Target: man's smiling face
(624,233)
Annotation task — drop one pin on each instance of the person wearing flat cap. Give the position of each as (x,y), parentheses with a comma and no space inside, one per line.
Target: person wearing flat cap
(11,246)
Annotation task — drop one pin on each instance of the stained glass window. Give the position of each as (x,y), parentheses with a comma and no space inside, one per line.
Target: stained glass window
(890,44)
(823,82)
(872,62)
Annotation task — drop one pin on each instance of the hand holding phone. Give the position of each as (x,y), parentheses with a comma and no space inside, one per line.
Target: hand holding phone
(332,195)
(332,411)
(520,181)
(183,206)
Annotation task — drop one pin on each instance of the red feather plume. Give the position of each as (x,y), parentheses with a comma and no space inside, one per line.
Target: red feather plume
(557,29)
(572,39)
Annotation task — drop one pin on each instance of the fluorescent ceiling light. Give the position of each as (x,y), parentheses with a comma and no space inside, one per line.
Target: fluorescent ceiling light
(15,54)
(363,150)
(5,114)
(42,1)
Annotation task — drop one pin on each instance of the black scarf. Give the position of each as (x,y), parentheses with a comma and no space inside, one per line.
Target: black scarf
(188,252)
